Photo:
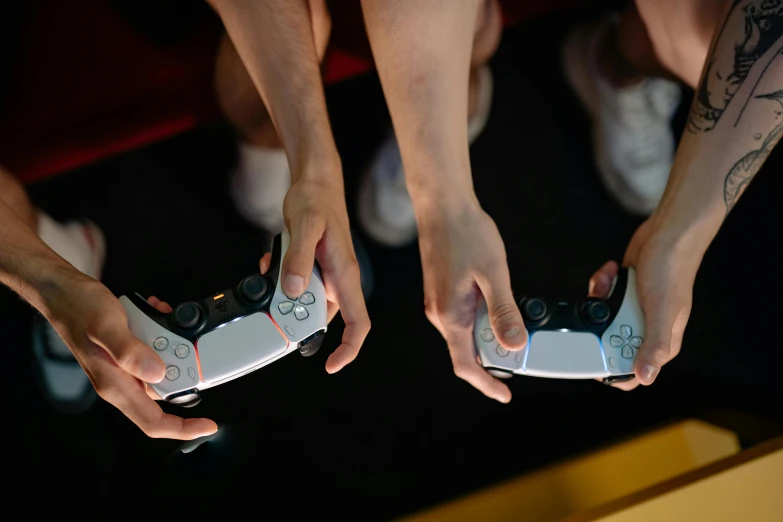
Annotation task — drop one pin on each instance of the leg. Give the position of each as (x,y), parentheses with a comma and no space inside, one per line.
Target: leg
(13,194)
(262,178)
(661,38)
(61,380)
(385,210)
(619,69)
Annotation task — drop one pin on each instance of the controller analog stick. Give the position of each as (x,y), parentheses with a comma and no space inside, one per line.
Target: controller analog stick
(534,309)
(253,288)
(597,312)
(186,315)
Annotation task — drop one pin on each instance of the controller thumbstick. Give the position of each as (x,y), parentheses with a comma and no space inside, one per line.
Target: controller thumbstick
(534,309)
(254,287)
(597,312)
(186,315)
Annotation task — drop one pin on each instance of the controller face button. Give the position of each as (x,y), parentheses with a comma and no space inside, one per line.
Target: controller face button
(616,341)
(626,331)
(253,288)
(160,344)
(598,312)
(501,351)
(182,351)
(285,307)
(636,342)
(172,373)
(534,309)
(301,313)
(186,315)
(307,298)
(487,335)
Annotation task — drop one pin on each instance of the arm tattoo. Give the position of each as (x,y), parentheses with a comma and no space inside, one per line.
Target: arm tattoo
(750,29)
(746,168)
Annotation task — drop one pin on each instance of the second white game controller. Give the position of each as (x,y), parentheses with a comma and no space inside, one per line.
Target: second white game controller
(571,339)
(231,333)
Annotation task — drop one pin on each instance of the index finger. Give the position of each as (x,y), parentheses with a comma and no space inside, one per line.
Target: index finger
(350,298)
(467,368)
(128,395)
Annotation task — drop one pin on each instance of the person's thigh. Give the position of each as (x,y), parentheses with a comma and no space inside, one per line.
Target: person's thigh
(681,31)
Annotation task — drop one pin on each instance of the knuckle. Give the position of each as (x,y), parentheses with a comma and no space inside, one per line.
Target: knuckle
(504,313)
(128,361)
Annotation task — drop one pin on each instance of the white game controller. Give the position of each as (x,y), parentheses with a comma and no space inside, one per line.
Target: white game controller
(571,339)
(231,333)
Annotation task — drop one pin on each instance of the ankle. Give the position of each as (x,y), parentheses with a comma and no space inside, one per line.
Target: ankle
(613,66)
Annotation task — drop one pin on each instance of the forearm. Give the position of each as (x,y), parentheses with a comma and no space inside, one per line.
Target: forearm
(274,39)
(734,124)
(422,53)
(27,265)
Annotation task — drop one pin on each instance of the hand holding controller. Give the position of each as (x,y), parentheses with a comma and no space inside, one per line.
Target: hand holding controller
(213,340)
(571,339)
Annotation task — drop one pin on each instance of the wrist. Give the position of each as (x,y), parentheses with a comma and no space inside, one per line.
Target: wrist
(688,234)
(320,164)
(42,281)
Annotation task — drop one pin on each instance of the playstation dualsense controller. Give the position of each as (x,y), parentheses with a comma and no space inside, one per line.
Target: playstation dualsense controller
(584,338)
(214,340)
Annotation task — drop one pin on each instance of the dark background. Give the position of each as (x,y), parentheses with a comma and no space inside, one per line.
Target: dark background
(396,431)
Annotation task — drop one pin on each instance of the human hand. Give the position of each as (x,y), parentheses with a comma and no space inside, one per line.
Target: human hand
(463,257)
(94,326)
(665,273)
(317,220)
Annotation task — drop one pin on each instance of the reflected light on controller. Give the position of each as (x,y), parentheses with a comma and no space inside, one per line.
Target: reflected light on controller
(218,297)
(564,330)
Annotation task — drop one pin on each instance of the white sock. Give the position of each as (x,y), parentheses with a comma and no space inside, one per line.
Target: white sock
(259,185)
(70,242)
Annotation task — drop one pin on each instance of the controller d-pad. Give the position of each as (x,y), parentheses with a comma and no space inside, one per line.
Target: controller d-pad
(487,335)
(636,342)
(626,341)
(616,341)
(172,373)
(160,344)
(627,352)
(301,313)
(307,298)
(285,307)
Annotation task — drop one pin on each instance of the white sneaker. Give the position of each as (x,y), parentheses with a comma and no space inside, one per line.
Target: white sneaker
(385,210)
(632,137)
(259,185)
(59,376)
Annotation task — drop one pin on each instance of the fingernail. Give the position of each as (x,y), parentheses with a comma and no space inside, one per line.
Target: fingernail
(513,336)
(152,370)
(293,285)
(649,372)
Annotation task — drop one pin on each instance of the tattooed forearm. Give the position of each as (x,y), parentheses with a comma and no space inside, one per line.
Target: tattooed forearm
(746,168)
(751,28)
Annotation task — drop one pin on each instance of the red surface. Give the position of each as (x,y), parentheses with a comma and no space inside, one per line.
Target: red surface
(89,87)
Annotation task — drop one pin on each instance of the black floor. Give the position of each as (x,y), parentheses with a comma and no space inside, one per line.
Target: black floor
(396,431)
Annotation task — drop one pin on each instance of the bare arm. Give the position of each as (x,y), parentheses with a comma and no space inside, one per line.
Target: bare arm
(274,39)
(735,120)
(422,51)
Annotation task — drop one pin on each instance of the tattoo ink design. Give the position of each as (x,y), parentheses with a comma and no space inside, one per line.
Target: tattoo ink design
(746,168)
(751,28)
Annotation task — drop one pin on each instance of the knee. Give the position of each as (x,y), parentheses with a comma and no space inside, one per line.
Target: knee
(489,27)
(680,33)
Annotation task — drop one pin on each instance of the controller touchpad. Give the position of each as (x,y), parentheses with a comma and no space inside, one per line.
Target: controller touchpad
(238,346)
(565,354)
